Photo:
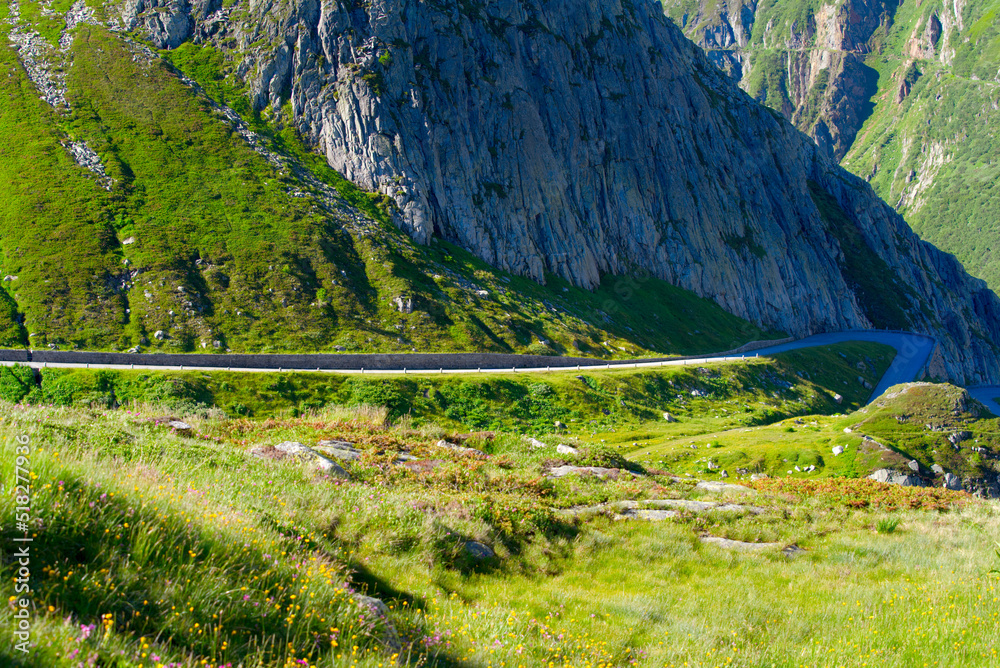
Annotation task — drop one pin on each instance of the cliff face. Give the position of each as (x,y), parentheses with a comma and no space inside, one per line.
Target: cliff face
(583,137)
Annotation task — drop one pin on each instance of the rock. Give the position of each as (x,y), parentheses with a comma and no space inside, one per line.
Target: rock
(482,293)
(599,471)
(180,427)
(937,469)
(759,476)
(712,466)
(958,437)
(914,465)
(719,487)
(474,435)
(793,551)
(895,478)
(838,450)
(669,418)
(536,444)
(847,430)
(403,304)
(160,335)
(567,450)
(559,425)
(389,637)
(339,450)
(134,350)
(479,551)
(647,514)
(128,242)
(952,481)
(297,450)
(737,545)
(839,399)
(723,474)
(460,449)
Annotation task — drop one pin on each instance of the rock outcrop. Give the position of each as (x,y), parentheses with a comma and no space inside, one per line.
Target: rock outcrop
(581,138)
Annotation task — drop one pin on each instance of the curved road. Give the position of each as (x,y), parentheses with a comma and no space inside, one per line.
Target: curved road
(912,353)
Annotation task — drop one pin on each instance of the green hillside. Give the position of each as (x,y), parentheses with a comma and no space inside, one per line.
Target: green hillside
(908,90)
(218,245)
(932,153)
(203,545)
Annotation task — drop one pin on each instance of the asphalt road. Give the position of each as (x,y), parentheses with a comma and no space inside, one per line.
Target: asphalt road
(912,352)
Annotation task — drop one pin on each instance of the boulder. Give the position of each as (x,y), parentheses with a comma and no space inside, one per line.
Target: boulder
(838,450)
(535,443)
(914,465)
(669,418)
(896,478)
(952,481)
(937,469)
(716,486)
(479,551)
(378,609)
(181,427)
(599,471)
(296,450)
(738,545)
(654,515)
(567,450)
(403,304)
(339,450)
(461,449)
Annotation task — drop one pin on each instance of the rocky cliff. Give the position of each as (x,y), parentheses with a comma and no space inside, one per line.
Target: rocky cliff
(582,138)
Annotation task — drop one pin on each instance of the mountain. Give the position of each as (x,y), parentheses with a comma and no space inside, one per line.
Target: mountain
(566,140)
(904,94)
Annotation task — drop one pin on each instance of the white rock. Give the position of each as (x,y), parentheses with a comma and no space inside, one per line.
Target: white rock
(838,450)
(567,450)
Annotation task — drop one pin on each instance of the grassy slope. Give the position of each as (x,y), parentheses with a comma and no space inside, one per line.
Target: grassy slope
(231,249)
(165,545)
(912,423)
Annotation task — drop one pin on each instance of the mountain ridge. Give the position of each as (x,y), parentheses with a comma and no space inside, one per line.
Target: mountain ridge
(418,94)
